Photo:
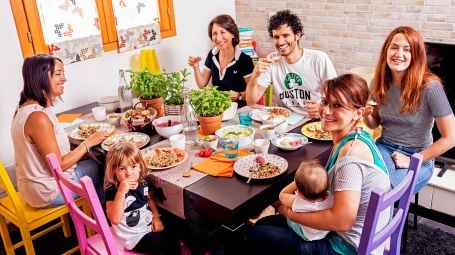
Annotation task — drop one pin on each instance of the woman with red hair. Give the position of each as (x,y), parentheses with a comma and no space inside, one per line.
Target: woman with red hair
(410,99)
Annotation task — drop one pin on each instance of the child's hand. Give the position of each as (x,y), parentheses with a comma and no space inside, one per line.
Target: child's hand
(157,224)
(126,185)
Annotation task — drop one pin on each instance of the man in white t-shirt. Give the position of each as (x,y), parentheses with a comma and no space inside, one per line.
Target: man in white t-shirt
(296,73)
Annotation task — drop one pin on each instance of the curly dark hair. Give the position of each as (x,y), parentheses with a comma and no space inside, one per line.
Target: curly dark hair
(285,17)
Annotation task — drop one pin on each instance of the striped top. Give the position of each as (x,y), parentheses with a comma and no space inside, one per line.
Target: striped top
(413,130)
(354,174)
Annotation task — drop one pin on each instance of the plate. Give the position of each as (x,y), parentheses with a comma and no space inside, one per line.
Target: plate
(243,164)
(139,139)
(83,131)
(164,158)
(290,142)
(257,114)
(313,130)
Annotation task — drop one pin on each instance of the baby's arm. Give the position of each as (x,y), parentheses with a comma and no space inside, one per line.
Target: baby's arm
(157,224)
(115,209)
(287,195)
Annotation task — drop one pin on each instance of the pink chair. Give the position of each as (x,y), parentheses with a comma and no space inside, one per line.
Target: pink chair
(103,242)
(379,201)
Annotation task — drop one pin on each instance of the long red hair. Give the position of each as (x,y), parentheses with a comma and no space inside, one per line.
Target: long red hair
(417,75)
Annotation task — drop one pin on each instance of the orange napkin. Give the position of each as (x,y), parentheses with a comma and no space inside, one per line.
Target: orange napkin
(68,117)
(218,165)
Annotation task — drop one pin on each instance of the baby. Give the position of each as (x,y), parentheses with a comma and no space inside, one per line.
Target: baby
(308,192)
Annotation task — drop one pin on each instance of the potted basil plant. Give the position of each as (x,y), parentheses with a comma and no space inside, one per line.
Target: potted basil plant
(209,105)
(149,88)
(173,99)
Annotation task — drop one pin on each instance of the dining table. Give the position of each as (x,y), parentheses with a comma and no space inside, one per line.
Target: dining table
(214,202)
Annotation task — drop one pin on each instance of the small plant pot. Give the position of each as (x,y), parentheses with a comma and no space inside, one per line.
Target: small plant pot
(210,124)
(155,103)
(170,109)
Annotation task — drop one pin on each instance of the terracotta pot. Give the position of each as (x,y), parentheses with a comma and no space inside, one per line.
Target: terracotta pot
(210,124)
(155,103)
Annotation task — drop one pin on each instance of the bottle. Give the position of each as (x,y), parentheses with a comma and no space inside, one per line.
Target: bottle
(189,119)
(124,94)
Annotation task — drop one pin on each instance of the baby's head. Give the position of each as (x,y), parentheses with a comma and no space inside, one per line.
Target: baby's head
(312,180)
(121,154)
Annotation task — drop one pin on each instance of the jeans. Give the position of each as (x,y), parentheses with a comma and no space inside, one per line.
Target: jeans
(272,235)
(386,148)
(88,168)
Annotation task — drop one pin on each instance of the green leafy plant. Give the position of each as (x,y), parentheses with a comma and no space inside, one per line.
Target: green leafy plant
(174,86)
(148,85)
(210,102)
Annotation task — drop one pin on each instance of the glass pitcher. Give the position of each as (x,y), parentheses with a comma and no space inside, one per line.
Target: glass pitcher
(189,118)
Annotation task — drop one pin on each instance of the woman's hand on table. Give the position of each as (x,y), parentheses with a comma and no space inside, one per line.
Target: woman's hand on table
(234,95)
(96,138)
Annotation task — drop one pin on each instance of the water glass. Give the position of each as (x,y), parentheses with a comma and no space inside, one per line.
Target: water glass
(261,146)
(177,141)
(99,113)
(230,148)
(245,119)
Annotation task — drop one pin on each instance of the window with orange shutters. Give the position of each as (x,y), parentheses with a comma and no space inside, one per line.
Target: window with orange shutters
(31,36)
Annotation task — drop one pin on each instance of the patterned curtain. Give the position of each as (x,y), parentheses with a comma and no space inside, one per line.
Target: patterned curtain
(71,29)
(137,23)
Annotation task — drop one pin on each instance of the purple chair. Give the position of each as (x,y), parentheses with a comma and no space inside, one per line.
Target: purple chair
(103,242)
(381,200)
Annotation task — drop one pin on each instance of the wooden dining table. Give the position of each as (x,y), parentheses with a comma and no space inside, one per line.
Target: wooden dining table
(220,202)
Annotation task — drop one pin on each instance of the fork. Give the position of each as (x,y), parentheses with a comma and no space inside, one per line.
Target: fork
(251,172)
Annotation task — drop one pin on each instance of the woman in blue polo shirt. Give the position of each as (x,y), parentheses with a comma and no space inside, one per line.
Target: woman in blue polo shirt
(229,68)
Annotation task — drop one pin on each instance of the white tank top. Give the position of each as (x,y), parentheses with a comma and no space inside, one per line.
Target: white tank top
(34,178)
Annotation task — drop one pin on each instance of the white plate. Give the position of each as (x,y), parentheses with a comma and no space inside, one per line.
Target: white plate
(98,127)
(243,164)
(257,114)
(139,139)
(181,157)
(290,142)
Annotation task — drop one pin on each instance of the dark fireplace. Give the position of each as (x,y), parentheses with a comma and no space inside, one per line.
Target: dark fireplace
(441,61)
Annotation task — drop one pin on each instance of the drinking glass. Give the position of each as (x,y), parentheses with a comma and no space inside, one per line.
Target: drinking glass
(245,119)
(230,148)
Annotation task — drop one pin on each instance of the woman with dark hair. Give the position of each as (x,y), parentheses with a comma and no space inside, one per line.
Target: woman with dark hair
(355,167)
(35,132)
(229,68)
(410,99)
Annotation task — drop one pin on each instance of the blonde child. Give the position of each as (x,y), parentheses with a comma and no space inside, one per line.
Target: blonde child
(308,192)
(130,206)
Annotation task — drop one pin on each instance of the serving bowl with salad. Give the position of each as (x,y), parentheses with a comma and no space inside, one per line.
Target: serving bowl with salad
(244,134)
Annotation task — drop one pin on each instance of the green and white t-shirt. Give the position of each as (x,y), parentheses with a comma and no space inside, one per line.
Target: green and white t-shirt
(293,84)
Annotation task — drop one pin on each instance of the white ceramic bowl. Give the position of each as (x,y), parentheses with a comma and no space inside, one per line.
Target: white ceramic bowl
(268,132)
(114,119)
(111,103)
(162,128)
(244,134)
(230,112)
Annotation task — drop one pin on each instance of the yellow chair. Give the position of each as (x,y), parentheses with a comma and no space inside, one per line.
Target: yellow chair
(28,219)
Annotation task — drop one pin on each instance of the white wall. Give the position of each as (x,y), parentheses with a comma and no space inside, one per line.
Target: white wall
(89,80)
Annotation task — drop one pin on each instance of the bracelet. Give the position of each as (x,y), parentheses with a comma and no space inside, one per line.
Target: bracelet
(87,149)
